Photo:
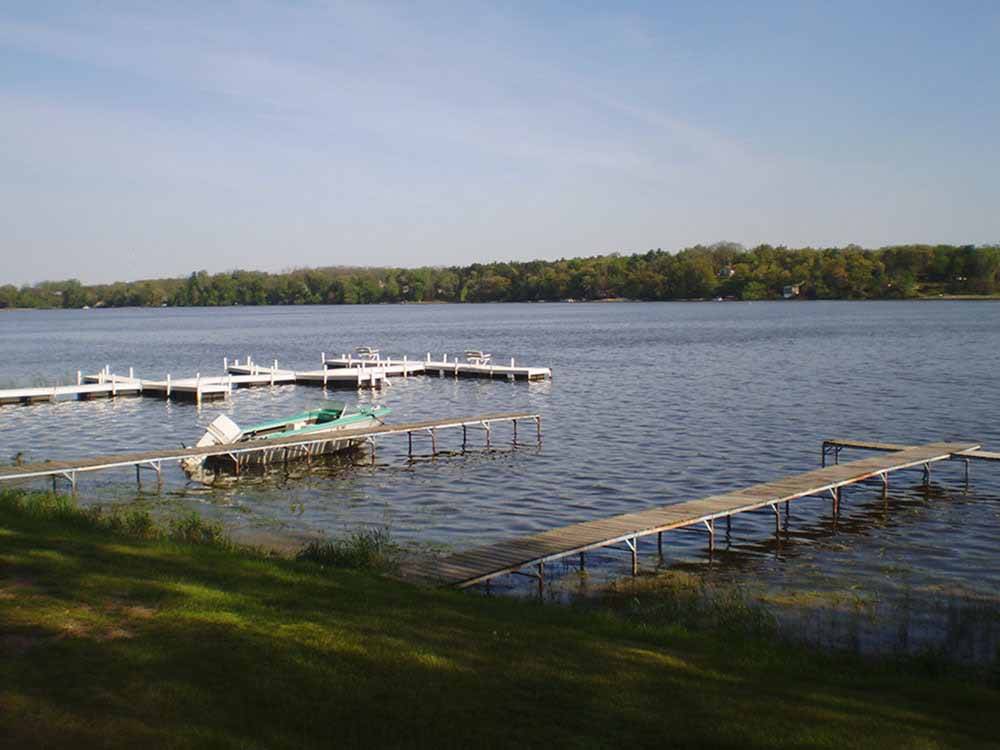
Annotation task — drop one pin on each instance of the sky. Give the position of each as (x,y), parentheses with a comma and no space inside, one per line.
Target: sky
(140,140)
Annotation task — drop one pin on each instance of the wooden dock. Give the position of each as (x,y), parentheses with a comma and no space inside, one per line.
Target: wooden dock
(834,447)
(69,470)
(513,556)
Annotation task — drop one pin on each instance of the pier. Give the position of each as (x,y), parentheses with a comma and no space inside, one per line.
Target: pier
(69,470)
(623,532)
(81,391)
(472,367)
(254,374)
(346,371)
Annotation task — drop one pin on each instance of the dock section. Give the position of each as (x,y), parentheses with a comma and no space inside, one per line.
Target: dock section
(69,470)
(368,370)
(832,448)
(471,367)
(81,391)
(532,552)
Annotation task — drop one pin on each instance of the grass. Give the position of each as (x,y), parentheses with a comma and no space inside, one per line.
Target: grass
(114,633)
(368,549)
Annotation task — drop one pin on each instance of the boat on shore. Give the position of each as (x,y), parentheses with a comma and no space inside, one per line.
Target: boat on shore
(314,425)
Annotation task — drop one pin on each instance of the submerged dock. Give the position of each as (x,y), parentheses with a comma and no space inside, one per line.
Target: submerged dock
(514,556)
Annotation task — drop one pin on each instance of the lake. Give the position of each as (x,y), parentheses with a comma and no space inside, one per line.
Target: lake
(650,403)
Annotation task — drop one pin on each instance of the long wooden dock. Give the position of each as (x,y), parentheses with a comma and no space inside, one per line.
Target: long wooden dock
(70,469)
(483,563)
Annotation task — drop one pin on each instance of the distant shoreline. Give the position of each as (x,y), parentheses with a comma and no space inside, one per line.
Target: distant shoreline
(613,300)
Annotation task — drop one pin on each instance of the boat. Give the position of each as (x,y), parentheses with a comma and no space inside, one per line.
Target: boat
(333,417)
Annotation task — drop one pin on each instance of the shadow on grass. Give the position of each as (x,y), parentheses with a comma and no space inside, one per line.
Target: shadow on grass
(200,645)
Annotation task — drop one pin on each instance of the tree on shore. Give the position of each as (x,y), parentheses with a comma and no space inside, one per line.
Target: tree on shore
(699,272)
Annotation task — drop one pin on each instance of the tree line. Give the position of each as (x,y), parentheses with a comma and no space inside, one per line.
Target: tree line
(726,270)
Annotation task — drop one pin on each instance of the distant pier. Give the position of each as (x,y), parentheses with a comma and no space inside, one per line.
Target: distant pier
(346,371)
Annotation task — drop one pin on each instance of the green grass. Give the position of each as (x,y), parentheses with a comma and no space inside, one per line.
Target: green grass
(368,549)
(116,634)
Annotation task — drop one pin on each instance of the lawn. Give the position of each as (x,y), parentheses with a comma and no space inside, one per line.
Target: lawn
(119,637)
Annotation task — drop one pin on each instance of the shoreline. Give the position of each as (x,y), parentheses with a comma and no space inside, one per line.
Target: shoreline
(612,300)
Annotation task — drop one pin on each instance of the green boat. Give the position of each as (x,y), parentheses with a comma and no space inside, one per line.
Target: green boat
(314,425)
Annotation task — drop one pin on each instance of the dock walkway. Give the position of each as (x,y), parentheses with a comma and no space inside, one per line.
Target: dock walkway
(69,469)
(81,391)
(444,367)
(483,563)
(327,378)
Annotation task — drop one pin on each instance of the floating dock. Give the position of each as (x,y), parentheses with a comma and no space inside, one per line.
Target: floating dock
(514,556)
(69,470)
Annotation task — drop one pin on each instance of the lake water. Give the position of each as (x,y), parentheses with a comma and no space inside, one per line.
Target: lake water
(651,403)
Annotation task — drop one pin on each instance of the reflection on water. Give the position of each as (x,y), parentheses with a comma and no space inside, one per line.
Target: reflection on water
(650,404)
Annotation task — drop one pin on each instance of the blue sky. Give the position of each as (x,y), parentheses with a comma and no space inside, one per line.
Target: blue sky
(149,139)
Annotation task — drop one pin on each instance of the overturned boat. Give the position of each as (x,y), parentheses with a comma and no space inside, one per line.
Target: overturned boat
(313,426)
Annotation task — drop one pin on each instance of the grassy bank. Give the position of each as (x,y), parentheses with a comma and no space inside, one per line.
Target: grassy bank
(116,634)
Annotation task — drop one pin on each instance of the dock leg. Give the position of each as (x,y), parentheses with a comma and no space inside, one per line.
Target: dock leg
(409,440)
(927,475)
(541,579)
(633,545)
(581,561)
(966,461)
(659,543)
(514,421)
(538,428)
(729,529)
(885,486)
(710,525)
(822,455)
(465,436)
(777,520)
(434,447)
